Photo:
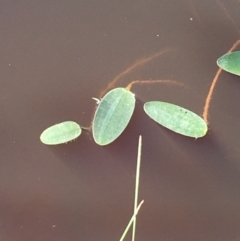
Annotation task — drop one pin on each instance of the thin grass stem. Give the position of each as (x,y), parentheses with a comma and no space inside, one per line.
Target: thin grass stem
(131,220)
(136,206)
(137,185)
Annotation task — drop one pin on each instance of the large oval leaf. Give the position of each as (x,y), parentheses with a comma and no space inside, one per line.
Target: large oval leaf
(61,133)
(230,62)
(112,115)
(176,118)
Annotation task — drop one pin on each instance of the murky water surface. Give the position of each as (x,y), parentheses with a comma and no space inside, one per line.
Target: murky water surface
(56,56)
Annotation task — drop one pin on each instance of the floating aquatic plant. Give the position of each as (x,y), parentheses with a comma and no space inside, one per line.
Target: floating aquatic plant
(230,62)
(116,108)
(61,133)
(112,115)
(176,118)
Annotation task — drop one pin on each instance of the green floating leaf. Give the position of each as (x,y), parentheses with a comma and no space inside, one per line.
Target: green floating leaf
(112,115)
(230,62)
(61,133)
(176,118)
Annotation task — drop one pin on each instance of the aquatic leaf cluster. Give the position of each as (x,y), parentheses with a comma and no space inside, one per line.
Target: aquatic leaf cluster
(113,114)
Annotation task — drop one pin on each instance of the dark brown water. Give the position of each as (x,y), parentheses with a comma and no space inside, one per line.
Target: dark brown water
(54,57)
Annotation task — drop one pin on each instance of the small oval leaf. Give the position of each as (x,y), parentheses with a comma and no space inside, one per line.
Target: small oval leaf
(61,133)
(112,115)
(176,118)
(230,62)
